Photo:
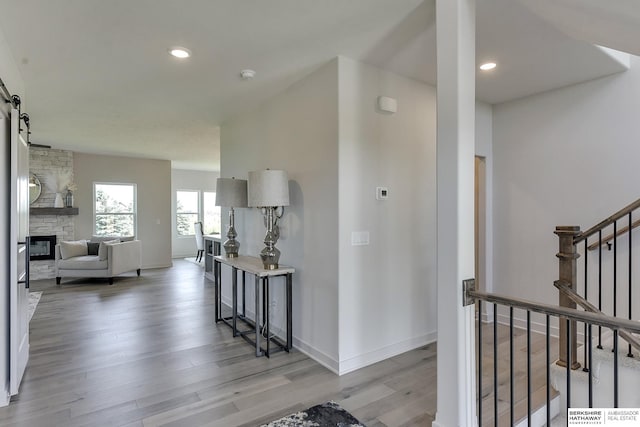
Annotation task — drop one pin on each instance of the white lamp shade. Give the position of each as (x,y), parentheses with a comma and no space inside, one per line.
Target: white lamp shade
(268,188)
(231,192)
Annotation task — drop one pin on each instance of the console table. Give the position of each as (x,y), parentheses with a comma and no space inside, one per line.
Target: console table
(211,248)
(253,266)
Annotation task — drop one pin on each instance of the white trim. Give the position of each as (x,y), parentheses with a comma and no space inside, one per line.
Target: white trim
(4,399)
(386,352)
(149,267)
(305,348)
(317,355)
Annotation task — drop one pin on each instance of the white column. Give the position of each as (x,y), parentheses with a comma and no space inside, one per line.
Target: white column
(455,21)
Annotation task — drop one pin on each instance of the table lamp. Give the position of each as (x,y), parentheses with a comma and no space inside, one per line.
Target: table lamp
(269,190)
(231,193)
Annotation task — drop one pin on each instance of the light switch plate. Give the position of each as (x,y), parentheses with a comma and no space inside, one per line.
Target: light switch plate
(359,238)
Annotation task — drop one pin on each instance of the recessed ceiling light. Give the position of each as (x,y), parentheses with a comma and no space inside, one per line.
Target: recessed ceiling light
(180,52)
(247,74)
(488,66)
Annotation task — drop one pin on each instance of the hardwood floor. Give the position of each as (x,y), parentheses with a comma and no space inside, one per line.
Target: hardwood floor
(146,352)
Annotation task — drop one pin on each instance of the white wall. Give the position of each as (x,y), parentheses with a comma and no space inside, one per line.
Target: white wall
(153,180)
(565,157)
(12,79)
(353,305)
(296,131)
(181,179)
(387,288)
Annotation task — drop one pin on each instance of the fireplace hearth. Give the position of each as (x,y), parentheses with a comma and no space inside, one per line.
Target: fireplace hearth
(42,247)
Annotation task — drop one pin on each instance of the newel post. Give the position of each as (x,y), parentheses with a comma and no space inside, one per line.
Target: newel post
(568,272)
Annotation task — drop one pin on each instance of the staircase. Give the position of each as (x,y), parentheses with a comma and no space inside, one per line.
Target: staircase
(538,395)
(602,366)
(526,378)
(597,270)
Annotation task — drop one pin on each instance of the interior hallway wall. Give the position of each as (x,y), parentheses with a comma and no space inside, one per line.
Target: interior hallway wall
(153,183)
(564,157)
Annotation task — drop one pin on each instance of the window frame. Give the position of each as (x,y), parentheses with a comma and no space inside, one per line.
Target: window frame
(176,213)
(203,210)
(135,205)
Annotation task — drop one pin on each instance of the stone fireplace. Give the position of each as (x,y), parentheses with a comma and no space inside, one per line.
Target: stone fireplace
(43,162)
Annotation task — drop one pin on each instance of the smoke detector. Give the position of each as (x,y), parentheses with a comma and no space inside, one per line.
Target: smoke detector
(247,74)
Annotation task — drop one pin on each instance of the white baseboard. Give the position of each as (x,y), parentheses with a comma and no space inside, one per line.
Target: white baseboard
(354,363)
(366,359)
(149,267)
(304,347)
(317,355)
(183,256)
(5,397)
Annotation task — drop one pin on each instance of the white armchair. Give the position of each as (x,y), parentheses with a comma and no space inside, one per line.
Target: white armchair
(113,259)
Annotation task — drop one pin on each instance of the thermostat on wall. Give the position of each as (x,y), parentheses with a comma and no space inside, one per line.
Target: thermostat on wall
(382,193)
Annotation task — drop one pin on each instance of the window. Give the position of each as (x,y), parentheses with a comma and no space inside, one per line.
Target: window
(187,212)
(115,209)
(211,217)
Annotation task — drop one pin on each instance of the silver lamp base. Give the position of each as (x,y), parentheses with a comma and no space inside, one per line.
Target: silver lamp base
(270,258)
(270,255)
(231,246)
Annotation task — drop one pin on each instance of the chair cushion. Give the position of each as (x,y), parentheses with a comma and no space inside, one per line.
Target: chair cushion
(102,250)
(86,262)
(73,249)
(92,248)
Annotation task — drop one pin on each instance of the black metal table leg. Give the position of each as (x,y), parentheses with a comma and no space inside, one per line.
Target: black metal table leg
(257,319)
(289,312)
(265,294)
(234,292)
(244,312)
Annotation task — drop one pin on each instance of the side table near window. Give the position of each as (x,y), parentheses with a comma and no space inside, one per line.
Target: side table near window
(253,266)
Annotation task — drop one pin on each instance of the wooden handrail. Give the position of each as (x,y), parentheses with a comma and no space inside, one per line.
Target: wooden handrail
(616,216)
(610,237)
(597,319)
(624,334)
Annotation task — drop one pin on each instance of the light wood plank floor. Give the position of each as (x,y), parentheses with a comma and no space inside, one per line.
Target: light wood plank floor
(146,352)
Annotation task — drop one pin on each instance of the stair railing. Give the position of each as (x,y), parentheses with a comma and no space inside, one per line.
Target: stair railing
(491,369)
(571,240)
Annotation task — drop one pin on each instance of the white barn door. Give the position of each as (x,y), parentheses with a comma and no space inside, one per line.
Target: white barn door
(18,252)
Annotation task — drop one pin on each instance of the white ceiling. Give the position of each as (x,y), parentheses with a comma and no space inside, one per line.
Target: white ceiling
(99,78)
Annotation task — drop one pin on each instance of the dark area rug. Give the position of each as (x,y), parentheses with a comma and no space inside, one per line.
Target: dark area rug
(327,414)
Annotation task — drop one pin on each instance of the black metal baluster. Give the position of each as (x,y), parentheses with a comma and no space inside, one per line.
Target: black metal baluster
(590,370)
(548,332)
(495,363)
(615,269)
(585,366)
(511,391)
(479,362)
(600,285)
(615,368)
(629,354)
(528,368)
(568,364)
